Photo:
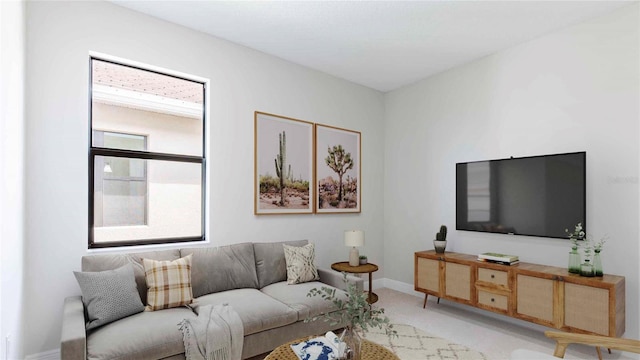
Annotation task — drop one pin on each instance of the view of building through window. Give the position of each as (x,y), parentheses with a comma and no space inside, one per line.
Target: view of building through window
(121,187)
(147,156)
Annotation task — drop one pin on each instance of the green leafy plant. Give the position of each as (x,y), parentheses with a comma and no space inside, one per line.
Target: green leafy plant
(577,234)
(588,245)
(353,312)
(363,257)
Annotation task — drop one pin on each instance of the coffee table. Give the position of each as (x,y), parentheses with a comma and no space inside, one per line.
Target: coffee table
(370,351)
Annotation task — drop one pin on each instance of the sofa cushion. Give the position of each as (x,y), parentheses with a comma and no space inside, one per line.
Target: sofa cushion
(146,335)
(109,295)
(295,296)
(113,261)
(168,283)
(271,266)
(222,268)
(301,265)
(258,311)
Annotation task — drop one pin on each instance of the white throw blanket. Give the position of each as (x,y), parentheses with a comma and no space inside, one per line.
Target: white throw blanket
(216,334)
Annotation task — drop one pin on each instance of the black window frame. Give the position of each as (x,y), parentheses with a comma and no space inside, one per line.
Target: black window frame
(144,155)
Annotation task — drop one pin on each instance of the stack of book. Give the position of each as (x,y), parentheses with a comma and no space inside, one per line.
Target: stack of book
(499,258)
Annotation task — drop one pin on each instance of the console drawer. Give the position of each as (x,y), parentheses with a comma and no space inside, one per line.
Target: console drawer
(493,300)
(496,277)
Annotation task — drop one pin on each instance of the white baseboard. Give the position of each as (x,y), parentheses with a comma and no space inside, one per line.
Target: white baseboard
(393,285)
(377,284)
(401,287)
(47,355)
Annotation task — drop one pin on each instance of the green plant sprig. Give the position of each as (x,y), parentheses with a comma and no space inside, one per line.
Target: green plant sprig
(355,311)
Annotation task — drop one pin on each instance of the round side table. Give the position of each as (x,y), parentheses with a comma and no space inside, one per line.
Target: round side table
(360,269)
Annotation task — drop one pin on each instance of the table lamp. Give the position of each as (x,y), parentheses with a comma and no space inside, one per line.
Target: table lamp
(354,238)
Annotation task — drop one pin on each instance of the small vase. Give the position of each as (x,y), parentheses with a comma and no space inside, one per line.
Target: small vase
(440,245)
(353,344)
(597,264)
(574,261)
(363,261)
(586,269)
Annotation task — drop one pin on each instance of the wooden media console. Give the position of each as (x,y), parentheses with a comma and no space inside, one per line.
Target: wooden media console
(545,295)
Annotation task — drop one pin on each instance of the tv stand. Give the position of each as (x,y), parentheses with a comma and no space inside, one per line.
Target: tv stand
(545,295)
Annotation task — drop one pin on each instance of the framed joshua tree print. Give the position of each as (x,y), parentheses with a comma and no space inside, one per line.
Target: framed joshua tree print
(283,165)
(338,172)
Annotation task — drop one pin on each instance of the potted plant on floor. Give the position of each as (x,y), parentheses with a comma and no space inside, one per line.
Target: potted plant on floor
(355,313)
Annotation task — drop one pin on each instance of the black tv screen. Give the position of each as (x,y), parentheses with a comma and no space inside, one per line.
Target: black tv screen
(537,196)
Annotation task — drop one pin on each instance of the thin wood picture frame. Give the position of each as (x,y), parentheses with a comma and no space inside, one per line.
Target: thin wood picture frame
(338,170)
(283,165)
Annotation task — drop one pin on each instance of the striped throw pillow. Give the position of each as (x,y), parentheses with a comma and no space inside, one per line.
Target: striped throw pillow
(168,283)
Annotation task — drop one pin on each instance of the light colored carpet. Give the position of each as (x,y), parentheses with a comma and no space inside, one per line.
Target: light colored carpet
(415,344)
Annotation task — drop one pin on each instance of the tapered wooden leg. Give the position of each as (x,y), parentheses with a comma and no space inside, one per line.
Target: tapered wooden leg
(599,353)
(560,350)
(609,350)
(438,301)
(425,301)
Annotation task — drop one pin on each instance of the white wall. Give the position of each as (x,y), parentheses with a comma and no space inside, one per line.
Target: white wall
(572,90)
(59,38)
(12,158)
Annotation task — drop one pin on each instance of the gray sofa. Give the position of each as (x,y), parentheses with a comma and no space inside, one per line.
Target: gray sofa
(251,277)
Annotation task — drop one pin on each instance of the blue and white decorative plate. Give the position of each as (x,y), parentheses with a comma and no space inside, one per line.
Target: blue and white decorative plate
(315,349)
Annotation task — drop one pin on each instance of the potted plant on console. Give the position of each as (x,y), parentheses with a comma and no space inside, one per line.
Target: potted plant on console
(440,243)
(592,265)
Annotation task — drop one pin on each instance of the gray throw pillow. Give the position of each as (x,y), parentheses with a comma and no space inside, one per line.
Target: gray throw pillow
(109,295)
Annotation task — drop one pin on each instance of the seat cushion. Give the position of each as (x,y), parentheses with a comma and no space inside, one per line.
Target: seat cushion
(258,311)
(271,266)
(295,296)
(146,335)
(222,268)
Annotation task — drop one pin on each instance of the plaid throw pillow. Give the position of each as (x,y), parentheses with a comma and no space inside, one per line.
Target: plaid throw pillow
(168,283)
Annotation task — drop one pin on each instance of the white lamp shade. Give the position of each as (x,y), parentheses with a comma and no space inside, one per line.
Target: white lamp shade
(354,238)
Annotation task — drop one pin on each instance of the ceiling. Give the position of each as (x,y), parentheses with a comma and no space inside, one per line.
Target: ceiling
(382,45)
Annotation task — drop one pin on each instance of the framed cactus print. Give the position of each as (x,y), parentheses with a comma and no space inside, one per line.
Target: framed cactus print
(338,170)
(283,165)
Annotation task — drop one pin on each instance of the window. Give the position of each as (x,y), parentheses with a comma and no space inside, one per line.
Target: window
(146,157)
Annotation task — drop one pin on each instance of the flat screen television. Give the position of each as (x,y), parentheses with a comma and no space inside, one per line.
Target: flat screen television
(536,196)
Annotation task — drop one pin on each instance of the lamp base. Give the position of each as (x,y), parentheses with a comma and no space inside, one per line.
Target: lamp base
(354,257)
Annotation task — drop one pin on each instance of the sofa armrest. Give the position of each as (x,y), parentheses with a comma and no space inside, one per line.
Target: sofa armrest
(73,341)
(336,279)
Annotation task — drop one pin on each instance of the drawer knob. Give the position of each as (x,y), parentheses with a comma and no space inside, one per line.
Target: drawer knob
(493,276)
(493,300)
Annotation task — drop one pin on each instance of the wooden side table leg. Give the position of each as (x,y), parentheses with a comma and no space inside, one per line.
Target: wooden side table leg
(370,287)
(438,301)
(424,305)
